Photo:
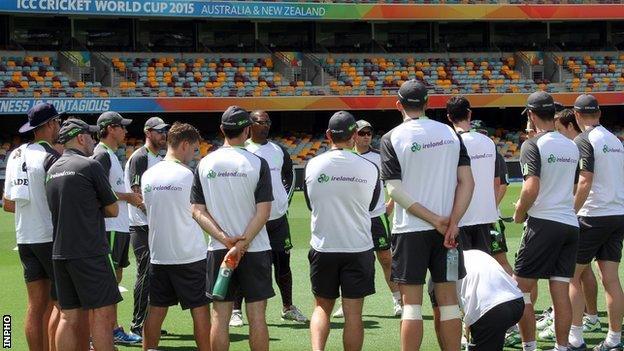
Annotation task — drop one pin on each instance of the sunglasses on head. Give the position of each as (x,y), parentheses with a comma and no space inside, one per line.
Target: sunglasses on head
(365,133)
(263,123)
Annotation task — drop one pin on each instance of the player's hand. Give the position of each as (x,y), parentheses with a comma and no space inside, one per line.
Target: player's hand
(449,236)
(519,218)
(135,199)
(233,257)
(230,241)
(142,208)
(441,224)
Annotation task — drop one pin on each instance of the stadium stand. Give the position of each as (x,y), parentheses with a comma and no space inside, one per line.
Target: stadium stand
(38,76)
(594,72)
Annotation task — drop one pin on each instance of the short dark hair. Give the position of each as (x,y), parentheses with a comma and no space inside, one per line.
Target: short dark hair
(566,117)
(457,108)
(103,133)
(233,133)
(341,138)
(548,115)
(180,132)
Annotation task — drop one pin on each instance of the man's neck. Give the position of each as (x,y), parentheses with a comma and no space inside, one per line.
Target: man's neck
(588,123)
(463,126)
(174,155)
(340,146)
(362,149)
(542,127)
(259,140)
(237,142)
(151,147)
(43,137)
(110,143)
(414,115)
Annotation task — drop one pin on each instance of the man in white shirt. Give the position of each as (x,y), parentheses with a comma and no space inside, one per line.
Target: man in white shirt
(490,300)
(341,188)
(26,197)
(141,160)
(427,172)
(550,242)
(380,224)
(278,229)
(474,231)
(177,244)
(112,134)
(599,203)
(231,199)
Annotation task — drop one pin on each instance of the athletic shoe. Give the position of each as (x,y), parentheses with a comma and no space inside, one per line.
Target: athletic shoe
(139,331)
(512,338)
(121,337)
(237,319)
(545,322)
(583,347)
(338,313)
(398,309)
(603,347)
(294,314)
(547,334)
(590,327)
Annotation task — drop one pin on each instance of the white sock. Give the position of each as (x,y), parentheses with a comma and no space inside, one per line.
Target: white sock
(592,317)
(560,348)
(529,346)
(236,311)
(613,338)
(576,335)
(396,297)
(513,328)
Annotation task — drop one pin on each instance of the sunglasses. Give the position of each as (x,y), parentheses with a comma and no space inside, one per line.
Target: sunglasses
(160,131)
(363,133)
(264,123)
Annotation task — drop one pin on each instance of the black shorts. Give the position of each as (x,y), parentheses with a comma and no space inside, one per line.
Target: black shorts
(183,283)
(120,244)
(497,238)
(380,228)
(279,234)
(600,238)
(37,263)
(413,253)
(86,283)
(476,237)
(335,273)
(548,249)
(252,278)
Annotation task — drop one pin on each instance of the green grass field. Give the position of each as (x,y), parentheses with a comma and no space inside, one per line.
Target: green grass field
(382,330)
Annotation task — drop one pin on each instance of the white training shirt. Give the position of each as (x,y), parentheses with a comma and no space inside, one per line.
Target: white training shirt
(603,155)
(380,208)
(485,286)
(274,155)
(425,155)
(110,162)
(141,160)
(33,221)
(482,153)
(341,188)
(174,236)
(230,182)
(553,158)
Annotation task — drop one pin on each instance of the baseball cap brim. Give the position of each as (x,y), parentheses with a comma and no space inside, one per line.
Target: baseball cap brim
(26,127)
(158,127)
(125,121)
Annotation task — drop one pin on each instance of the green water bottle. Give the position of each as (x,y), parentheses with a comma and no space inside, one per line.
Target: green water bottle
(220,289)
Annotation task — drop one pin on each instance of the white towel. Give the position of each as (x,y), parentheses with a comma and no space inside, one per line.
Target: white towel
(17,172)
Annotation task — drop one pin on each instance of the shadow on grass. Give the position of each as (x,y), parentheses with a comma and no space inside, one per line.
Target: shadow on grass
(398,318)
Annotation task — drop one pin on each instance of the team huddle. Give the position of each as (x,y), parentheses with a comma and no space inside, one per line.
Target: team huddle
(78,211)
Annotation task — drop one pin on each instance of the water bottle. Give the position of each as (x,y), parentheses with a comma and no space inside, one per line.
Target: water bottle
(452,265)
(220,289)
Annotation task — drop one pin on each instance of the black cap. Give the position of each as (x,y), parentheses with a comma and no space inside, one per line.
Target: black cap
(112,117)
(155,123)
(413,93)
(39,115)
(235,118)
(342,124)
(559,107)
(540,101)
(361,124)
(73,127)
(586,103)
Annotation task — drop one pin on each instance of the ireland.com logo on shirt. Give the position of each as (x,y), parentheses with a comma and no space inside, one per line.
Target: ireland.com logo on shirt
(324,178)
(430,145)
(607,149)
(148,188)
(555,159)
(212,174)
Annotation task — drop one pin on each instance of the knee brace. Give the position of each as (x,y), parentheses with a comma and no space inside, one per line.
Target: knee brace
(449,312)
(411,313)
